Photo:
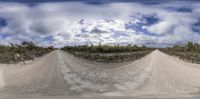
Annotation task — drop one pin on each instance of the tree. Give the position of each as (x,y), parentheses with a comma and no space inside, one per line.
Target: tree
(190,46)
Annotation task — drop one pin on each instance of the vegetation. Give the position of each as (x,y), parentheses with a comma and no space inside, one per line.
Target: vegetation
(190,52)
(105,48)
(107,53)
(25,51)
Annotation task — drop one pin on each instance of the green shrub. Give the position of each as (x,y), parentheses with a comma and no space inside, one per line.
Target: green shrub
(190,52)
(25,51)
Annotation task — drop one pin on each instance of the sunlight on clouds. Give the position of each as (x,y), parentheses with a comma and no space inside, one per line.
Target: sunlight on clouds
(70,23)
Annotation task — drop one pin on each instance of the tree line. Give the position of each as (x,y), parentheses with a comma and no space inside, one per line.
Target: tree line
(189,47)
(189,52)
(105,48)
(108,53)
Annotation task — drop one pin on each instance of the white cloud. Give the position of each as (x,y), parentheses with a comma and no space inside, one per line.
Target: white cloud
(105,23)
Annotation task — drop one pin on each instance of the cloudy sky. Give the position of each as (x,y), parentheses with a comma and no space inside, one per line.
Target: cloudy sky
(71,22)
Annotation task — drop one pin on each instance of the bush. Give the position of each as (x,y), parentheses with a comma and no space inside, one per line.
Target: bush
(104,48)
(190,52)
(24,51)
(107,53)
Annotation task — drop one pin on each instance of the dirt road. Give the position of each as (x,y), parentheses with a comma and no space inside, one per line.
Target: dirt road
(60,75)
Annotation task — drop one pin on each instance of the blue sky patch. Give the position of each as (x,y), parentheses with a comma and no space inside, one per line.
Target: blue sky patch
(4,35)
(184,9)
(139,29)
(48,38)
(3,22)
(196,26)
(151,20)
(181,9)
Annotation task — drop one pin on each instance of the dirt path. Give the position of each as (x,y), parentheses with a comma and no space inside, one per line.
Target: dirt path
(60,75)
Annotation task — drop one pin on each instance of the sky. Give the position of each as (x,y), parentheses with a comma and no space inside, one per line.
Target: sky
(58,23)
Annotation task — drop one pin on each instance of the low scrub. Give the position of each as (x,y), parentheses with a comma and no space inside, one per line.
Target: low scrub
(111,57)
(190,52)
(107,53)
(20,53)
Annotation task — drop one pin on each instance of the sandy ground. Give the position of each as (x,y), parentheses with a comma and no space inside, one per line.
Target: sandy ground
(60,75)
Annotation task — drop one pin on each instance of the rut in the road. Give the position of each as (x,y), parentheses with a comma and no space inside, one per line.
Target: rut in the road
(60,72)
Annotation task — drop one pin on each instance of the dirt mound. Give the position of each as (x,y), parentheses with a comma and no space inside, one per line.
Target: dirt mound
(60,73)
